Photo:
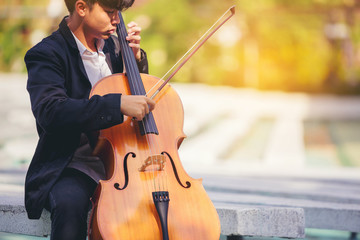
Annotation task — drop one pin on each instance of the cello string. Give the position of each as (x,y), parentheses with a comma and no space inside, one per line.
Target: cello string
(130,60)
(150,144)
(164,173)
(131,72)
(154,147)
(137,91)
(162,184)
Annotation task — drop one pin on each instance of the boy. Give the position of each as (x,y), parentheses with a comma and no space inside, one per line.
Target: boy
(62,68)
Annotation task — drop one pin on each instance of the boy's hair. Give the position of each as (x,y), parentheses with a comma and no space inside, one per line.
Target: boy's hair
(113,4)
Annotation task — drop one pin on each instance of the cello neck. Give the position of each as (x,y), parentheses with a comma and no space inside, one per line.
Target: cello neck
(147,125)
(132,71)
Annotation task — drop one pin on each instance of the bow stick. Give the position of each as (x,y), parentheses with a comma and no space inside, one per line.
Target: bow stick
(205,37)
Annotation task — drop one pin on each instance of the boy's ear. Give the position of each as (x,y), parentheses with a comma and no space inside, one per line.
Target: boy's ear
(81,7)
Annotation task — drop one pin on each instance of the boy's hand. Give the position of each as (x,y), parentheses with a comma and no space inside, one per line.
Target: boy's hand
(134,38)
(136,106)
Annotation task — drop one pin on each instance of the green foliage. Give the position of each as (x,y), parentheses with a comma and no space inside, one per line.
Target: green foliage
(172,30)
(12,45)
(282,44)
(294,52)
(269,44)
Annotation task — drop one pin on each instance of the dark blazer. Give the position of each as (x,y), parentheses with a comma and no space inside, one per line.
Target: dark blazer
(59,89)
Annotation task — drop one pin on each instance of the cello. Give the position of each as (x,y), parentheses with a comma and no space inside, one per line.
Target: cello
(147,194)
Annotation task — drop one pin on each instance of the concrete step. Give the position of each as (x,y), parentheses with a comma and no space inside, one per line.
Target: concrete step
(327,204)
(261,221)
(235,220)
(328,190)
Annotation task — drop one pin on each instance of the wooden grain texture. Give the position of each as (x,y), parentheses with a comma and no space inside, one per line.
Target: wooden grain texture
(130,213)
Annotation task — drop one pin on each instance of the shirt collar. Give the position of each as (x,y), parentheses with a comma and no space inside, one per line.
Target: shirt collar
(82,49)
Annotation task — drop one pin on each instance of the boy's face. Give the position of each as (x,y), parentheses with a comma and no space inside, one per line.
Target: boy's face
(100,22)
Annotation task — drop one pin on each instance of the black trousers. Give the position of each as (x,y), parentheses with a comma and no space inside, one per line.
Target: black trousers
(69,204)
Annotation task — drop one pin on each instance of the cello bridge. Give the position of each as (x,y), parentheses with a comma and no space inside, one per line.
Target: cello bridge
(156,161)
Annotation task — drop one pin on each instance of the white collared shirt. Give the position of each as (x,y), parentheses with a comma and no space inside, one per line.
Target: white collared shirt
(94,62)
(96,68)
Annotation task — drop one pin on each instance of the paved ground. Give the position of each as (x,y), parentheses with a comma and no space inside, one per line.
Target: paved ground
(235,132)
(250,132)
(229,130)
(312,235)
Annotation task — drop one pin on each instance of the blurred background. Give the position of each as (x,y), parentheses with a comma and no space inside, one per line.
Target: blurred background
(307,45)
(275,92)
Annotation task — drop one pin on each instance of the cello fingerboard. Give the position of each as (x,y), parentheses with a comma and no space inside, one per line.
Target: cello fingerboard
(147,125)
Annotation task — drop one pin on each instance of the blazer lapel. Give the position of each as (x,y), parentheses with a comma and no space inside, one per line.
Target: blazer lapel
(113,54)
(69,38)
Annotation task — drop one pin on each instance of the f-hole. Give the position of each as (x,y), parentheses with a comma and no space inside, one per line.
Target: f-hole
(126,172)
(188,184)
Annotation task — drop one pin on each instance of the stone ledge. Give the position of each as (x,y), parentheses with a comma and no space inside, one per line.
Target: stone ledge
(13,219)
(327,204)
(235,221)
(262,221)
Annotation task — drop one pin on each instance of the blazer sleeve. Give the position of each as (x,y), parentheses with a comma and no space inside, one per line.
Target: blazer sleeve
(53,109)
(143,63)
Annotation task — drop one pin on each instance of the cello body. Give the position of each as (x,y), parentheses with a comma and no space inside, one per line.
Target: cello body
(138,166)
